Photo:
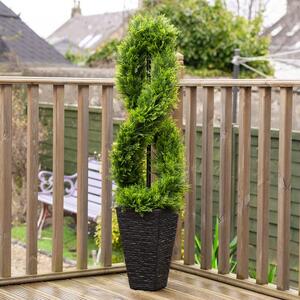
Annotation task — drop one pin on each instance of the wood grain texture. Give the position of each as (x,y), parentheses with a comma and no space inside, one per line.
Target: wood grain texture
(190,197)
(225,181)
(284,187)
(58,178)
(106,213)
(82,179)
(115,269)
(243,183)
(188,82)
(32,178)
(263,185)
(249,285)
(178,118)
(180,286)
(5,179)
(207,178)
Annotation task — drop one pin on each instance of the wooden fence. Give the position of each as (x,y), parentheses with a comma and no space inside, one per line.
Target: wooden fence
(94,142)
(225,183)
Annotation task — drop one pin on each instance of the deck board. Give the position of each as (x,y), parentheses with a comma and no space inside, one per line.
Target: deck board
(115,287)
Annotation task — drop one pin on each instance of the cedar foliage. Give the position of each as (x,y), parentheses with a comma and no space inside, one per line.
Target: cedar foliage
(147,82)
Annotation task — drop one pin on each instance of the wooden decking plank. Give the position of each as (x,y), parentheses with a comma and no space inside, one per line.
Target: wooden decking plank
(52,291)
(40,294)
(190,290)
(124,288)
(172,287)
(118,289)
(4,295)
(20,292)
(123,280)
(88,292)
(111,287)
(221,288)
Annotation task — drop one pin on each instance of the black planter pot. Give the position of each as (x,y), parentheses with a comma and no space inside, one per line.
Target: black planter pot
(148,242)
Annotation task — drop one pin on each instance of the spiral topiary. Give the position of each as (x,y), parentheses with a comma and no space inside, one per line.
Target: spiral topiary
(147,81)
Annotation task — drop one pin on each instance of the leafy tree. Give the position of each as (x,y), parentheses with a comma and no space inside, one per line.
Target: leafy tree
(210,33)
(107,53)
(76,58)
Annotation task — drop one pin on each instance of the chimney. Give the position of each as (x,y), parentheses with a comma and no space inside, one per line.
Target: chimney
(293,6)
(76,10)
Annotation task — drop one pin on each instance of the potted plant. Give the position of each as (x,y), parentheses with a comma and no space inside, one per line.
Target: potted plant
(148,213)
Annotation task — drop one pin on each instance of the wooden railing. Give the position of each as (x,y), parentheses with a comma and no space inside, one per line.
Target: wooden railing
(6,87)
(225,185)
(241,278)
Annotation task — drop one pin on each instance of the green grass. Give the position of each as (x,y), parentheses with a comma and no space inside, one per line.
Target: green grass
(69,250)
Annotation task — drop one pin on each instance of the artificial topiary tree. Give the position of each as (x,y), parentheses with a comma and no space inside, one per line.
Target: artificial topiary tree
(147,81)
(147,213)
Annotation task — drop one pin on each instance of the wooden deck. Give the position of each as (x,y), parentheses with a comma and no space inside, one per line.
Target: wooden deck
(181,286)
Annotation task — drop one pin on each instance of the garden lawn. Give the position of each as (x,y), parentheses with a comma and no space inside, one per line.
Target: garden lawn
(69,250)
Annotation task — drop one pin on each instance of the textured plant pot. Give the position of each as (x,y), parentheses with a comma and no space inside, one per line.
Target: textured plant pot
(148,242)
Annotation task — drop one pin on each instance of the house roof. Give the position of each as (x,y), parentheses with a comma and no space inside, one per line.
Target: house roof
(285,33)
(88,32)
(21,45)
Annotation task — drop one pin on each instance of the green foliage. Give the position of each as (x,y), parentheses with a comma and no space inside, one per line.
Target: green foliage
(210,33)
(215,249)
(271,273)
(45,243)
(76,59)
(107,53)
(233,249)
(116,239)
(147,82)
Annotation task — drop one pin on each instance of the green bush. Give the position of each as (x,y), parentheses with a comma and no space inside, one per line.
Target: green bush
(107,53)
(116,239)
(210,33)
(147,82)
(76,59)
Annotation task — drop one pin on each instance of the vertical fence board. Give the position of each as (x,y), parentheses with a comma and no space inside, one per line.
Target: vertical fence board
(243,183)
(58,178)
(178,118)
(5,179)
(190,197)
(106,214)
(284,188)
(207,178)
(225,180)
(263,182)
(32,179)
(82,179)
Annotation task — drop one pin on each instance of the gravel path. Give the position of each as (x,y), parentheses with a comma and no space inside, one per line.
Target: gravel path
(44,261)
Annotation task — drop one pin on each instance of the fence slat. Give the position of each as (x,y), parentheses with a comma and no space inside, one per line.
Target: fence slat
(225,180)
(32,178)
(190,197)
(284,188)
(243,183)
(263,182)
(178,118)
(82,179)
(207,178)
(5,179)
(58,178)
(106,213)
